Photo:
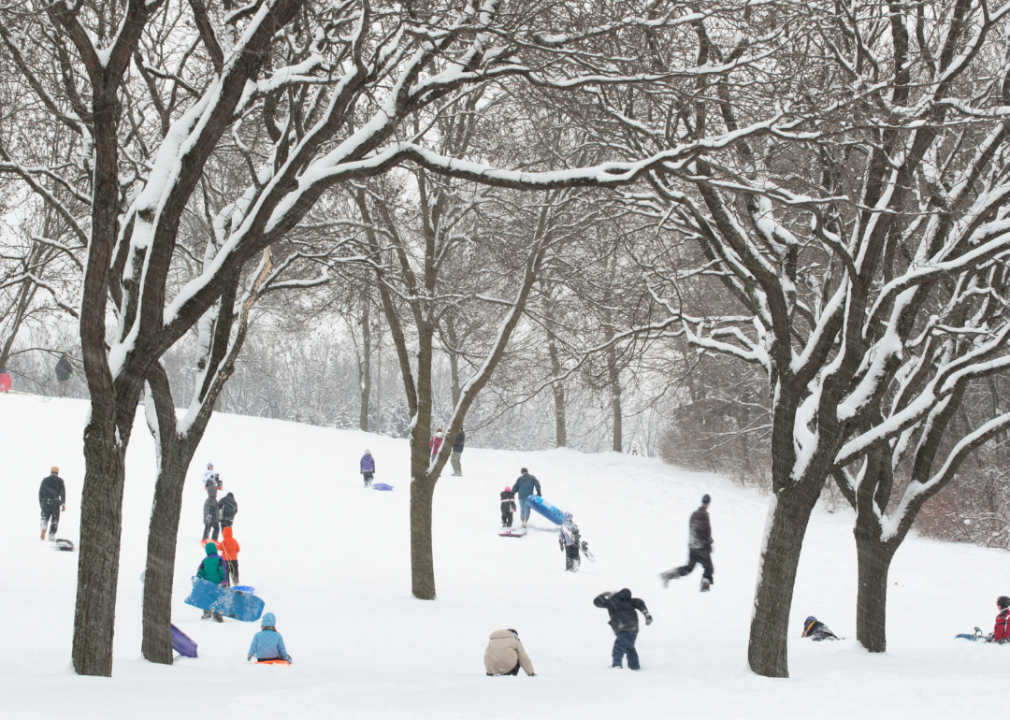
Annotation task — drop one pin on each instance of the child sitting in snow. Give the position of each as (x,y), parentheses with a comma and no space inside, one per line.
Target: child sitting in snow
(568,538)
(508,506)
(268,644)
(1001,633)
(816,630)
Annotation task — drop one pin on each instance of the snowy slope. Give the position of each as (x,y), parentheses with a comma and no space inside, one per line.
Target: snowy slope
(332,561)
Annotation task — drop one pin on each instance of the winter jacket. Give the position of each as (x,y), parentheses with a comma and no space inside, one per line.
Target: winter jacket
(63,370)
(210,511)
(367,464)
(569,533)
(524,486)
(457,443)
(5,381)
(700,530)
(228,507)
(213,568)
(52,491)
(508,501)
(622,607)
(212,483)
(503,652)
(268,644)
(229,546)
(1001,633)
(817,631)
(436,443)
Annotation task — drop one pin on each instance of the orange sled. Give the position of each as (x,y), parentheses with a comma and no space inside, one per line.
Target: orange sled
(271,662)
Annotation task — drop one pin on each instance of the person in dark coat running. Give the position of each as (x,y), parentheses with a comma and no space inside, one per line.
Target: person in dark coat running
(52,497)
(624,622)
(699,548)
(228,508)
(457,451)
(508,506)
(368,467)
(816,630)
(525,486)
(64,371)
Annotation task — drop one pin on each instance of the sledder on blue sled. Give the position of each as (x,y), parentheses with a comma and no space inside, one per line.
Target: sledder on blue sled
(1001,632)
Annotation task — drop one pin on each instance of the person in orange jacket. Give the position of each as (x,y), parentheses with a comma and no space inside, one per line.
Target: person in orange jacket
(229,551)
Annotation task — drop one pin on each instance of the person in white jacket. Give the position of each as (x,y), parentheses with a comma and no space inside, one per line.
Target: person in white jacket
(505,654)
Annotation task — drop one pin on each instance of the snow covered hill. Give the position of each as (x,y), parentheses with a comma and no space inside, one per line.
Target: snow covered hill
(332,562)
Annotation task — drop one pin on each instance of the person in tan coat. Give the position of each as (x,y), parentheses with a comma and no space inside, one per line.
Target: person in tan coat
(505,654)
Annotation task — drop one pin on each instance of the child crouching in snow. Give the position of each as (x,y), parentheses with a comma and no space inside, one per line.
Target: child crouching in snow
(568,539)
(505,654)
(268,644)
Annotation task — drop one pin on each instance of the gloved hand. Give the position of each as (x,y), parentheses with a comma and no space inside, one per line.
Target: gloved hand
(648,619)
(607,595)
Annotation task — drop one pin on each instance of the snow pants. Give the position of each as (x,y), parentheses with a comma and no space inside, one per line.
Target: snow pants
(210,520)
(232,571)
(62,388)
(624,644)
(457,469)
(572,558)
(695,556)
(506,516)
(368,478)
(51,517)
(524,508)
(513,671)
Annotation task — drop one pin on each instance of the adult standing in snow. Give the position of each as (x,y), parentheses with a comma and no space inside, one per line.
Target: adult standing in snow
(228,509)
(64,371)
(457,451)
(368,467)
(505,654)
(52,497)
(699,548)
(5,381)
(436,443)
(523,488)
(624,623)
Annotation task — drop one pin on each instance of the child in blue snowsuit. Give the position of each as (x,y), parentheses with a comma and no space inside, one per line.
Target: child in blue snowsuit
(268,644)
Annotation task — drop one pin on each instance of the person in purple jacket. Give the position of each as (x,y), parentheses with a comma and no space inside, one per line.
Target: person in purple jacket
(368,467)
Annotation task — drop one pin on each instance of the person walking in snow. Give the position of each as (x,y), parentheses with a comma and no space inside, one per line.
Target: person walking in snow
(1001,632)
(64,371)
(229,551)
(227,509)
(699,548)
(508,506)
(816,630)
(435,444)
(5,381)
(268,644)
(457,452)
(213,569)
(211,524)
(52,497)
(624,623)
(505,655)
(525,486)
(568,538)
(368,467)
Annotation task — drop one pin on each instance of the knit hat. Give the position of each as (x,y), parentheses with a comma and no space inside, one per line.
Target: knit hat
(706,499)
(367,451)
(268,620)
(54,470)
(210,466)
(508,489)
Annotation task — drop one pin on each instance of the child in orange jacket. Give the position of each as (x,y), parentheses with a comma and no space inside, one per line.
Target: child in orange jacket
(229,551)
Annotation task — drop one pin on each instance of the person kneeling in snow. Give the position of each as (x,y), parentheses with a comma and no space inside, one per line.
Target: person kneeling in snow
(816,630)
(268,644)
(1001,633)
(568,539)
(505,654)
(213,569)
(624,622)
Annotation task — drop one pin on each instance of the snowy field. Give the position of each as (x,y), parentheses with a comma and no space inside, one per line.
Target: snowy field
(332,562)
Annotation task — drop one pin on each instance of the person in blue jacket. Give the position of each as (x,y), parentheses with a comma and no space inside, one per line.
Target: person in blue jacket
(523,488)
(268,644)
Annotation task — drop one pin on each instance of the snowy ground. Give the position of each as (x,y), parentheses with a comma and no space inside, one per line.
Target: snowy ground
(332,561)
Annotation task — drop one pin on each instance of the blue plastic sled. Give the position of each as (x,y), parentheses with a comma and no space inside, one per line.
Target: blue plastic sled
(381,486)
(548,511)
(182,643)
(227,601)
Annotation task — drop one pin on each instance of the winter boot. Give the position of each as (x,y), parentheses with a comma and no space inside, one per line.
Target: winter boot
(43,535)
(206,615)
(218,618)
(705,585)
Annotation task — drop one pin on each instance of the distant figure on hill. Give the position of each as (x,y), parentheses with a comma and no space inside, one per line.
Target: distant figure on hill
(212,481)
(213,569)
(508,506)
(368,467)
(816,630)
(524,487)
(699,548)
(229,551)
(52,497)
(210,519)
(505,655)
(457,452)
(268,644)
(5,381)
(435,444)
(624,623)
(228,509)
(64,371)
(568,538)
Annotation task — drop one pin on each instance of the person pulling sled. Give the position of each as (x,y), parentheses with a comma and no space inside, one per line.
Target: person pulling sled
(52,498)
(214,569)
(367,466)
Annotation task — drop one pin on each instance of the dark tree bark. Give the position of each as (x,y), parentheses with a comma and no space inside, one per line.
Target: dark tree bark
(365,365)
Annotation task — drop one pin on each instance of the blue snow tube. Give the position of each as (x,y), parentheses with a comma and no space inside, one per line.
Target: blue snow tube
(548,511)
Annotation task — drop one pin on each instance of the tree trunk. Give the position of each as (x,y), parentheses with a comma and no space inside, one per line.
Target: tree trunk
(615,394)
(790,510)
(450,332)
(98,558)
(560,430)
(365,368)
(422,564)
(874,559)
